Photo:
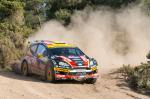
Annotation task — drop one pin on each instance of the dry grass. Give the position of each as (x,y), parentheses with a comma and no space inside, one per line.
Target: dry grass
(137,77)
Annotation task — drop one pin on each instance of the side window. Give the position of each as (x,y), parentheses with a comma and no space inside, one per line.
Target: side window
(33,49)
(42,50)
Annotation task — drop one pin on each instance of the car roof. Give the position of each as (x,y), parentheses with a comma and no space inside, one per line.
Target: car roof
(52,44)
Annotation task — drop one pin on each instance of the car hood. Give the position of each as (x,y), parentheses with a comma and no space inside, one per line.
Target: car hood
(76,61)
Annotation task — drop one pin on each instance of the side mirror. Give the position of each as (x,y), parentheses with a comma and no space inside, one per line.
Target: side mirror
(39,55)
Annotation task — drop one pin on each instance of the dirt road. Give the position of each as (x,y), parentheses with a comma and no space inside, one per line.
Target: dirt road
(13,86)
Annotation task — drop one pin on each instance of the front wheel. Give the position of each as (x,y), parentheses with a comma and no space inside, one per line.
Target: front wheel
(24,69)
(91,80)
(50,75)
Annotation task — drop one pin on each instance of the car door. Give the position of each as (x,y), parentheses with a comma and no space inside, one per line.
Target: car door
(34,66)
(43,60)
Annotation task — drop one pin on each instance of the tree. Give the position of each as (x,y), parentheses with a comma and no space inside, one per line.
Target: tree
(9,8)
(34,12)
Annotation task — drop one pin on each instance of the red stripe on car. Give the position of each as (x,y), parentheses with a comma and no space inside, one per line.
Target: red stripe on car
(69,61)
(85,61)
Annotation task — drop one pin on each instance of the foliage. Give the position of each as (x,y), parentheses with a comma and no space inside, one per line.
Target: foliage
(62,9)
(63,15)
(12,38)
(137,77)
(34,13)
(8,7)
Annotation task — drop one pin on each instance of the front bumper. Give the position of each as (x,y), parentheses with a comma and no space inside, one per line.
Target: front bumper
(75,74)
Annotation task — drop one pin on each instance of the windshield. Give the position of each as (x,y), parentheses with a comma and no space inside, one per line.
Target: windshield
(66,51)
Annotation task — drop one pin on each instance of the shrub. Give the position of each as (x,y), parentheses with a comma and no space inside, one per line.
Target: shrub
(63,15)
(137,77)
(12,38)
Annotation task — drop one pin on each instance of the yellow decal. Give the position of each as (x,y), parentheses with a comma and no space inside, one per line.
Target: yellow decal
(61,69)
(58,45)
(94,68)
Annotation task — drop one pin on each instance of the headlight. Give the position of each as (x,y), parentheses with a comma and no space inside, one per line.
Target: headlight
(63,65)
(91,63)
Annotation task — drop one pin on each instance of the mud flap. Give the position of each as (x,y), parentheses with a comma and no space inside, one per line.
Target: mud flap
(15,68)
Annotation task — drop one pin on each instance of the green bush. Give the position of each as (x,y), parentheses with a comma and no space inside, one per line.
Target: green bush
(63,15)
(12,38)
(137,77)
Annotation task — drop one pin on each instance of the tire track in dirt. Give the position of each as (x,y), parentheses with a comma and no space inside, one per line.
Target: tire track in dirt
(14,86)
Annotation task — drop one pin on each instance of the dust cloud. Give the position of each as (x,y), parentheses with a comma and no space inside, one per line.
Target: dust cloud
(112,37)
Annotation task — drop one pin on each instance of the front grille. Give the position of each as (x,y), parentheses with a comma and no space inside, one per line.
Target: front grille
(80,73)
(77,74)
(61,73)
(81,67)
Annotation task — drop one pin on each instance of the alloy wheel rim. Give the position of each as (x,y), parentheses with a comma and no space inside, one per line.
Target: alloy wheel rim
(24,69)
(49,74)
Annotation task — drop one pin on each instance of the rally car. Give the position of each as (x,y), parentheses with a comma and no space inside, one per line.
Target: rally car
(58,61)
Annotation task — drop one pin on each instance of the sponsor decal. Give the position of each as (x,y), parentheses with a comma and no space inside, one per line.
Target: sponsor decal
(61,69)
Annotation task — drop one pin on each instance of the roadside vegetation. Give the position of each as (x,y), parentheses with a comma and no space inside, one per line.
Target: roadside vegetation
(137,77)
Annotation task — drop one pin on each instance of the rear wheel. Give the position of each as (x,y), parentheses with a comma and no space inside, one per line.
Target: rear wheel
(91,80)
(50,75)
(24,69)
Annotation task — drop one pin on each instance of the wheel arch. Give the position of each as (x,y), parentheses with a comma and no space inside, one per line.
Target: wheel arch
(24,60)
(28,65)
(50,64)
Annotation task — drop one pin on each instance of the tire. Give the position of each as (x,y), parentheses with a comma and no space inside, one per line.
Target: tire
(91,81)
(24,69)
(50,74)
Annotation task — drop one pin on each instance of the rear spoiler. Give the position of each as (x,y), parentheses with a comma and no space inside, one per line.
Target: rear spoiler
(34,41)
(44,41)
